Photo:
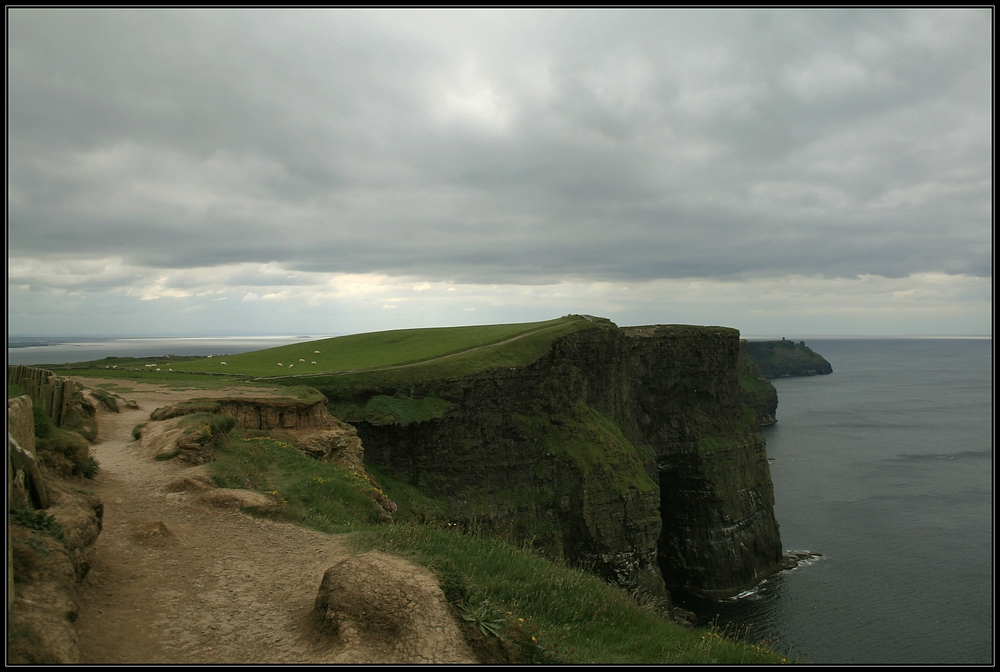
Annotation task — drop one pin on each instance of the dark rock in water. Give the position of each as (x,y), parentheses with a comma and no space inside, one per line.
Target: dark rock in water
(628,452)
(782,359)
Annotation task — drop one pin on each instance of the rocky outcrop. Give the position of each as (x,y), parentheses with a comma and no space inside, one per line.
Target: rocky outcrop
(625,451)
(338,444)
(182,432)
(783,359)
(59,398)
(286,414)
(26,486)
(386,602)
(52,528)
(275,414)
(191,439)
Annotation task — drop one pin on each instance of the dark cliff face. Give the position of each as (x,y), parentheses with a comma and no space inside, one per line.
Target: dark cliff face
(757,391)
(625,451)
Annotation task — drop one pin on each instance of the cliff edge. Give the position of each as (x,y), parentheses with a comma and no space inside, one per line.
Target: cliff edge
(627,451)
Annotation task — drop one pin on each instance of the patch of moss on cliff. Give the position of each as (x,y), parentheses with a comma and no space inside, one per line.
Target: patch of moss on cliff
(756,391)
(593,443)
(744,432)
(391,410)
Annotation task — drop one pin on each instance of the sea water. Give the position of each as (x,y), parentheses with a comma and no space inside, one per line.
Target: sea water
(885,468)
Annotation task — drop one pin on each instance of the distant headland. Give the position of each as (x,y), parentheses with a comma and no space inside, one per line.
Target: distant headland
(783,359)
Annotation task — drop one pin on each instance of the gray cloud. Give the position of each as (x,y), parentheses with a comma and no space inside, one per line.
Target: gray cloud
(515,147)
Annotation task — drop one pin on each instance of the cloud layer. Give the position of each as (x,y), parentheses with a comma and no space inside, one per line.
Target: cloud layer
(169,153)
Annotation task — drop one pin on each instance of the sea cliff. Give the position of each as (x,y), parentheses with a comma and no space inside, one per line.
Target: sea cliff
(626,451)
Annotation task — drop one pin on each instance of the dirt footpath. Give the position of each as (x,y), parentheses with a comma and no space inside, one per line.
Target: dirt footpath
(176,580)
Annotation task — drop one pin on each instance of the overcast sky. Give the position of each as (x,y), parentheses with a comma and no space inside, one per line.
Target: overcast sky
(179,172)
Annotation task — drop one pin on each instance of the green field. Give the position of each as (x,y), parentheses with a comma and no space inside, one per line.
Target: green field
(367,351)
(405,354)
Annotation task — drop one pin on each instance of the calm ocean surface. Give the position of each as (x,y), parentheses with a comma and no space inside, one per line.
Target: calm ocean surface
(885,467)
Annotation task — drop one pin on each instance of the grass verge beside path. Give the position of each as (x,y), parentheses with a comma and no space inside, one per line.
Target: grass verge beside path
(552,613)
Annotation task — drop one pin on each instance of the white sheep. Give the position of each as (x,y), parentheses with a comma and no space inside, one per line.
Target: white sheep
(302,360)
(316,352)
(157,369)
(314,362)
(210,356)
(280,364)
(290,365)
(222,363)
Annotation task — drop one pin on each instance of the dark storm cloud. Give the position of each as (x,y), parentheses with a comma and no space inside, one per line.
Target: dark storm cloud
(514,147)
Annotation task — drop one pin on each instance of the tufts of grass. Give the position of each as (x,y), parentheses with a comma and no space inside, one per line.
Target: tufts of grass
(106,399)
(90,468)
(321,495)
(13,391)
(43,423)
(185,408)
(218,426)
(39,521)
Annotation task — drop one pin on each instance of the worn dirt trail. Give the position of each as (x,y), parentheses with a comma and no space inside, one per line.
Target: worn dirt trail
(178,581)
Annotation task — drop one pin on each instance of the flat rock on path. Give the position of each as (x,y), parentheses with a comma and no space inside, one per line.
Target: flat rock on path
(176,580)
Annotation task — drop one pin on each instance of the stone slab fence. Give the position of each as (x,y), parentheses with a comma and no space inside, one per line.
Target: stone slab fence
(43,387)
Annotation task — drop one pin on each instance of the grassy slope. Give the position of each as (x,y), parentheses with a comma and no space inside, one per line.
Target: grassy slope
(401,356)
(366,351)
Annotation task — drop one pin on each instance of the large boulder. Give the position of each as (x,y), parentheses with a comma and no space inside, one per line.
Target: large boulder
(384,600)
